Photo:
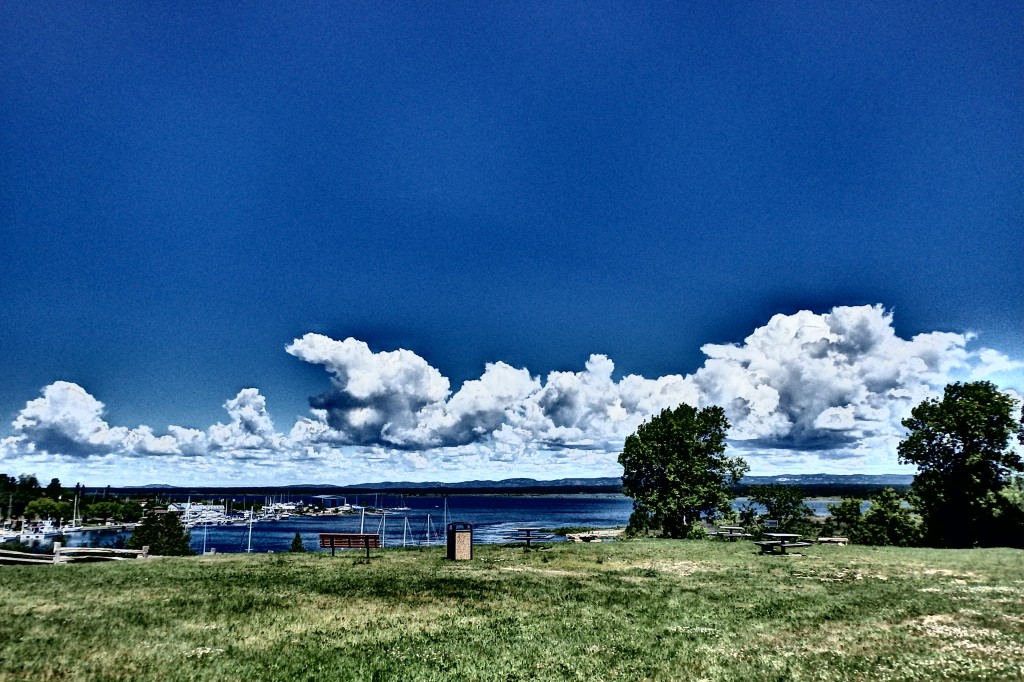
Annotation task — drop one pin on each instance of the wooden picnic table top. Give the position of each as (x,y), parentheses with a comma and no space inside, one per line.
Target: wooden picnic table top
(783,536)
(528,530)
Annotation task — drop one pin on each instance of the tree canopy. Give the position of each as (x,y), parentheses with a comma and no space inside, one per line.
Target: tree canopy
(163,534)
(54,490)
(960,445)
(47,508)
(784,503)
(676,471)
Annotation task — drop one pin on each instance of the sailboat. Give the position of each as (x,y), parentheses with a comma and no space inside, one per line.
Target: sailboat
(8,533)
(252,512)
(402,507)
(382,529)
(76,523)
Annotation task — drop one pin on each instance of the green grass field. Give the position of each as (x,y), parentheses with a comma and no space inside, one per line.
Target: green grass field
(658,610)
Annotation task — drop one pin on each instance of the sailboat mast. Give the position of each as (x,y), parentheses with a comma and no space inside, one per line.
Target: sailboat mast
(251,513)
(384,532)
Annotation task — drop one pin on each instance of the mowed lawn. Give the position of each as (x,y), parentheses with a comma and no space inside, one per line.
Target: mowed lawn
(658,610)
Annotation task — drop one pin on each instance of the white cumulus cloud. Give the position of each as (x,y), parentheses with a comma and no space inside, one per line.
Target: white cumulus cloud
(803,391)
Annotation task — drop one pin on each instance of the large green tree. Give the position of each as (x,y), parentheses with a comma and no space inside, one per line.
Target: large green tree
(163,534)
(783,503)
(960,445)
(676,471)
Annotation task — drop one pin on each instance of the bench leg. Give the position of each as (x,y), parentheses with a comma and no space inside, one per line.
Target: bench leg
(366,541)
(332,549)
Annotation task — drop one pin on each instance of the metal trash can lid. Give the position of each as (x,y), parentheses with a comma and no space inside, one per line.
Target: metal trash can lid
(460,525)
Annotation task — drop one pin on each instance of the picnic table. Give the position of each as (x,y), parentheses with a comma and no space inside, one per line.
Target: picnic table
(527,535)
(731,532)
(780,542)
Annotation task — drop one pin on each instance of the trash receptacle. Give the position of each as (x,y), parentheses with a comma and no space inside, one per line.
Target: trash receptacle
(460,541)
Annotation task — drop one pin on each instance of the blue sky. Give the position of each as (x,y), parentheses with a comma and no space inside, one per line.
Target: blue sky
(500,192)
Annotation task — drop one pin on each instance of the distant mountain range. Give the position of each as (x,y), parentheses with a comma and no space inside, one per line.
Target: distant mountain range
(510,485)
(831,479)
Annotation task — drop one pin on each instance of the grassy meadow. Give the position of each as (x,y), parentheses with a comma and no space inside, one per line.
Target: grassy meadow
(635,610)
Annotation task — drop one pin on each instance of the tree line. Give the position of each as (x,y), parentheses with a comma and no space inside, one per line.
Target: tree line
(23,496)
(968,490)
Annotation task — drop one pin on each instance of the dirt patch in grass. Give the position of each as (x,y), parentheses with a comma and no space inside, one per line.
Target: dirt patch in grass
(951,634)
(554,572)
(682,568)
(958,577)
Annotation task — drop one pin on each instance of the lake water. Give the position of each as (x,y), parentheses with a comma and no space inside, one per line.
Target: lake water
(493,519)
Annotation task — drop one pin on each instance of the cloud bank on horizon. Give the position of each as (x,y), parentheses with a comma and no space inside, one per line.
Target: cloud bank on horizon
(807,392)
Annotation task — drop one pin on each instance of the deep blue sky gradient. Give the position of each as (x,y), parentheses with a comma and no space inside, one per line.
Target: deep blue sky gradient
(185,188)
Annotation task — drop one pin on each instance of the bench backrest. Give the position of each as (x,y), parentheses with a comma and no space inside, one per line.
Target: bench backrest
(350,540)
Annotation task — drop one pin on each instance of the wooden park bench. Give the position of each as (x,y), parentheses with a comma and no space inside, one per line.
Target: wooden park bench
(350,541)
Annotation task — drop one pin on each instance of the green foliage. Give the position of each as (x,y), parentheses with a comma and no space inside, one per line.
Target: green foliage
(53,489)
(784,503)
(887,522)
(747,515)
(46,508)
(297,545)
(130,512)
(118,511)
(845,518)
(17,492)
(101,511)
(1013,494)
(1011,518)
(960,446)
(697,532)
(164,535)
(676,471)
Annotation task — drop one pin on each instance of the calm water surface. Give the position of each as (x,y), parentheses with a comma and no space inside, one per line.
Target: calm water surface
(494,518)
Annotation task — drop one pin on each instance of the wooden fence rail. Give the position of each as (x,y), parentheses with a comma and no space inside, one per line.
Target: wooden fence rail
(65,555)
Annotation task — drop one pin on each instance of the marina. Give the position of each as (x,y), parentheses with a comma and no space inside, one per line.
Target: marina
(235,527)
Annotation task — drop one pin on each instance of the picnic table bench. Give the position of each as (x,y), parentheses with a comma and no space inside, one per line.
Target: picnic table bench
(770,546)
(527,535)
(833,541)
(731,533)
(350,541)
(780,542)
